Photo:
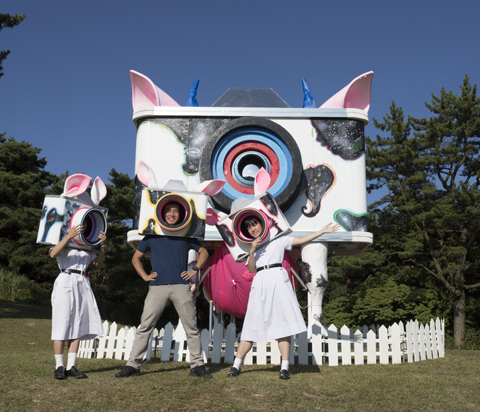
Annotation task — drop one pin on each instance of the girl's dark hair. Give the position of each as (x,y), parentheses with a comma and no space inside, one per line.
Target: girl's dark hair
(247,222)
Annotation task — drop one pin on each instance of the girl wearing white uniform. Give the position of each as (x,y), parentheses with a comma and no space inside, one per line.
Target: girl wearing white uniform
(75,314)
(272,311)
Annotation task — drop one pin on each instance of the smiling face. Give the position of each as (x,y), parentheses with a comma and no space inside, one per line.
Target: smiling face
(254,229)
(171,213)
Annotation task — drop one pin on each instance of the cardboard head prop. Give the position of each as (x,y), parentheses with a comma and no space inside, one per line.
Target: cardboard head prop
(75,207)
(192,206)
(263,208)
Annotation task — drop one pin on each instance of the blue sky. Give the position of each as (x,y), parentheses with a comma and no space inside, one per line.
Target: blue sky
(66,85)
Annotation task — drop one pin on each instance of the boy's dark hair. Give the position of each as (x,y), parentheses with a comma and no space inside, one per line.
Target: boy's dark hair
(170,204)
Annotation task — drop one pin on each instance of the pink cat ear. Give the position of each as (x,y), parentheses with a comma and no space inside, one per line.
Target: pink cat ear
(262,182)
(356,95)
(99,191)
(146,175)
(76,184)
(211,187)
(212,216)
(146,94)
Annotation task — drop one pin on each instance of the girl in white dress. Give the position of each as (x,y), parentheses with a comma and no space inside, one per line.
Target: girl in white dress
(75,314)
(272,311)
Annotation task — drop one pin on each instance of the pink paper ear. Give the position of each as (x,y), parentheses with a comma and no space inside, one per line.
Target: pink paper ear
(212,216)
(146,94)
(356,95)
(76,184)
(211,187)
(146,175)
(262,182)
(99,191)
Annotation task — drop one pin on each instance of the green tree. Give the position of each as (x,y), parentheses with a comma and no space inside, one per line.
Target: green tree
(6,20)
(23,184)
(433,194)
(377,286)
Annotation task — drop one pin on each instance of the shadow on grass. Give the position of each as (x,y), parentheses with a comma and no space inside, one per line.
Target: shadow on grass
(15,310)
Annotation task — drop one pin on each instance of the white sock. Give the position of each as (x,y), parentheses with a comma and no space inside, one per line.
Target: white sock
(285,364)
(72,357)
(237,363)
(58,361)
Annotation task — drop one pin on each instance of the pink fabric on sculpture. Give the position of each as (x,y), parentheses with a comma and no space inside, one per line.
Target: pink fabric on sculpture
(228,283)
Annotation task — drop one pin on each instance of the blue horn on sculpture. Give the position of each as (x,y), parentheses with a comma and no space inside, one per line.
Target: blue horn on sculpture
(308,100)
(192,95)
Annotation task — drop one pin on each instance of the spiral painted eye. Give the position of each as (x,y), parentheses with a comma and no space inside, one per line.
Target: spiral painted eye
(239,148)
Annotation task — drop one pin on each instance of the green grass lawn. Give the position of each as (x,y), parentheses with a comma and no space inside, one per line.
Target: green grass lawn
(27,384)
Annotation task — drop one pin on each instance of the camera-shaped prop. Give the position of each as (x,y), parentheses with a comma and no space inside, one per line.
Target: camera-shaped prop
(192,206)
(234,231)
(314,155)
(264,209)
(75,207)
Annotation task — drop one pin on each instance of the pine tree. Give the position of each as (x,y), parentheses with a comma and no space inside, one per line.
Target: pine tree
(23,184)
(6,20)
(433,182)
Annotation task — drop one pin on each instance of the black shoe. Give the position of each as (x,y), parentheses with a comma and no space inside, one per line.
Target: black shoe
(200,372)
(127,371)
(233,372)
(59,373)
(284,374)
(73,372)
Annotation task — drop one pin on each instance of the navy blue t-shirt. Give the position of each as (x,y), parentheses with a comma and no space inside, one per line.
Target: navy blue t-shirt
(168,256)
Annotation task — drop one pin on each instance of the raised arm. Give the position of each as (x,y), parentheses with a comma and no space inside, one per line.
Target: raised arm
(328,228)
(251,258)
(97,262)
(74,231)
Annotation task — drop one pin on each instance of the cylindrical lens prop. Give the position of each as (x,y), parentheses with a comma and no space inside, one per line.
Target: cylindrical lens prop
(93,222)
(241,232)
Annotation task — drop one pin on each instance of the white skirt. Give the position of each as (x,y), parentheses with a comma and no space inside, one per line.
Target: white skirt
(75,313)
(272,310)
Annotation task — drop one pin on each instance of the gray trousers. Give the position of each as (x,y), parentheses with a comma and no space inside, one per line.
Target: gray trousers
(155,303)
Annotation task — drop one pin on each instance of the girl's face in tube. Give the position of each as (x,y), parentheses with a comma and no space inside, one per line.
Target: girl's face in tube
(255,229)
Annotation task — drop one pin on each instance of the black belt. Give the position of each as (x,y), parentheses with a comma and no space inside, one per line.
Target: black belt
(275,265)
(79,272)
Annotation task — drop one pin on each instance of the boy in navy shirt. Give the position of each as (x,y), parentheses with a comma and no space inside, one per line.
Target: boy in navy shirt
(168,283)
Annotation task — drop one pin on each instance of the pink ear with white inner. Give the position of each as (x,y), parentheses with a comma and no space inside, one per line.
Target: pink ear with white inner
(211,187)
(99,191)
(76,184)
(356,95)
(146,175)
(146,94)
(262,182)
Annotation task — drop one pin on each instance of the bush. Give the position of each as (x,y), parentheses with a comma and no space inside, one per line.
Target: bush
(18,288)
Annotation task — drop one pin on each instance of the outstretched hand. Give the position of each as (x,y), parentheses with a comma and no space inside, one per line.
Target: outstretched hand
(328,228)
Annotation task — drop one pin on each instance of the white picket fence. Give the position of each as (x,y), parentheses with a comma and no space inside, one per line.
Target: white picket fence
(376,345)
